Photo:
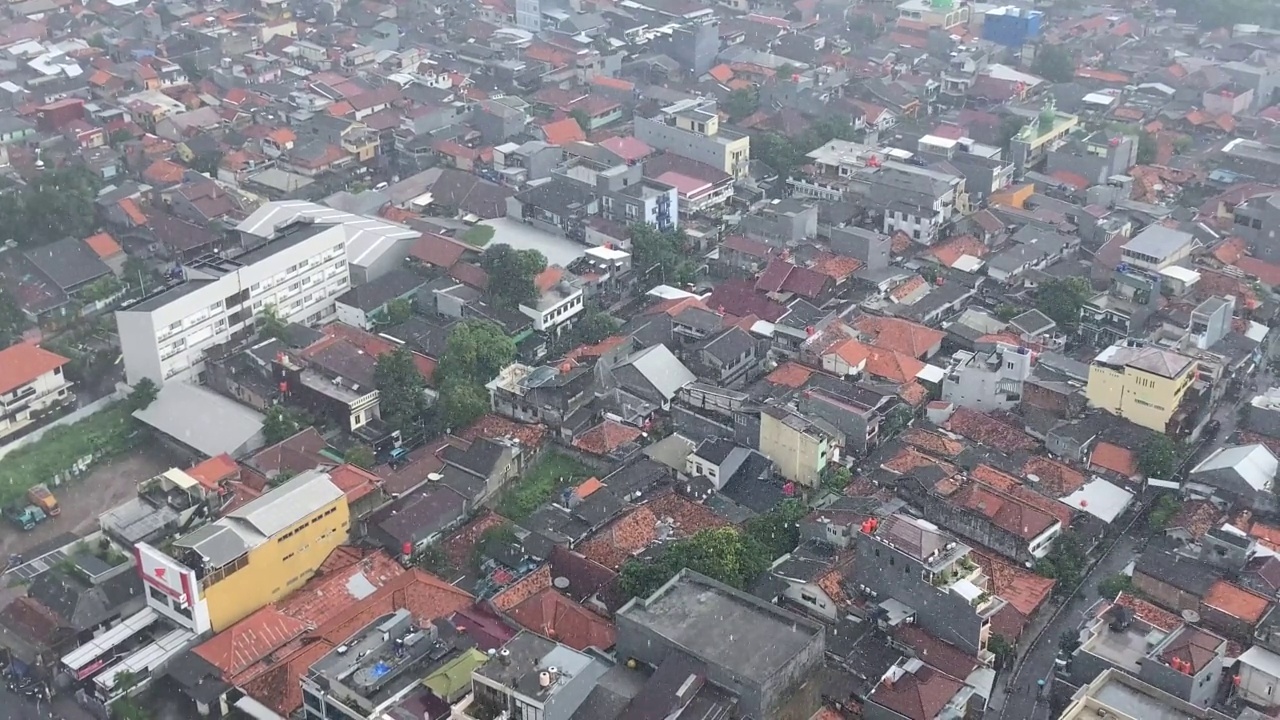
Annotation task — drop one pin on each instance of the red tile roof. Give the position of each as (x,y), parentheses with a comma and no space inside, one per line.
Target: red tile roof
(921,695)
(1148,613)
(1021,588)
(495,427)
(426,597)
(988,431)
(563,132)
(722,73)
(933,443)
(949,252)
(375,346)
(606,438)
(164,172)
(836,267)
(904,336)
(460,546)
(584,352)
(1118,460)
(356,483)
(523,589)
(23,363)
(909,459)
(1010,485)
(131,209)
(638,529)
(1055,479)
(628,148)
(273,628)
(555,616)
(946,657)
(893,366)
(1001,509)
(1197,517)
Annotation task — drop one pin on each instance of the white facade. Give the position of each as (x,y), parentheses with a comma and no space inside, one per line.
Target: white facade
(21,405)
(556,308)
(1259,676)
(990,380)
(164,337)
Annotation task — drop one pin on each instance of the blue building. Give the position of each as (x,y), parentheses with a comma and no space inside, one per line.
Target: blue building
(1011,26)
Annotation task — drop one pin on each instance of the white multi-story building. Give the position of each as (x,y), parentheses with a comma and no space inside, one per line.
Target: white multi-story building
(300,272)
(31,382)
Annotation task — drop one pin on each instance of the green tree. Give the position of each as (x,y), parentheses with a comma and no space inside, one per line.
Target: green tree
(433,559)
(1064,563)
(664,255)
(786,70)
(478,235)
(98,41)
(281,424)
(1147,148)
(12,319)
(742,102)
(144,393)
(1061,299)
(55,204)
(778,530)
(593,327)
(461,403)
(512,273)
(398,311)
(1010,126)
(207,163)
(1008,312)
(1005,652)
(1114,585)
(865,26)
(270,324)
(724,554)
(401,390)
(581,117)
(1054,63)
(118,137)
(492,543)
(1158,457)
(475,351)
(1165,508)
(836,478)
(361,456)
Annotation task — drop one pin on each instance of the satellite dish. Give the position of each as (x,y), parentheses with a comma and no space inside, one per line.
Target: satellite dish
(561,583)
(1191,616)
(435,477)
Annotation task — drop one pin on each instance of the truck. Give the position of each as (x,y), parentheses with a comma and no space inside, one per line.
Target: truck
(24,517)
(41,497)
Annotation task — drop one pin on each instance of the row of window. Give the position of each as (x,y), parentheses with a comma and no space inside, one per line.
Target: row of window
(299,528)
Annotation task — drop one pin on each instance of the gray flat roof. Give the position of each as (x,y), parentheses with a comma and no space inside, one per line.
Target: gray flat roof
(203,420)
(712,622)
(1158,241)
(289,503)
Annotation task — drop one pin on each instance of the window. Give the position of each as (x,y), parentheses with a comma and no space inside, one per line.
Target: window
(157,594)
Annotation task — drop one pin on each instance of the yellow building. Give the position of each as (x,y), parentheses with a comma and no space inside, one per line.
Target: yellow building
(1143,385)
(266,549)
(800,447)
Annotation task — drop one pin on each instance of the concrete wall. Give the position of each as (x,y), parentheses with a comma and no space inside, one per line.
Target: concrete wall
(893,574)
(1199,690)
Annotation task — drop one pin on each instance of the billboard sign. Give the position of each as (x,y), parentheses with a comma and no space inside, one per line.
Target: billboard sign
(166,574)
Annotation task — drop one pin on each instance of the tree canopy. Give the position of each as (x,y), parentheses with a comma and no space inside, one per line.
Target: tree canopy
(1061,299)
(785,154)
(593,327)
(56,204)
(12,320)
(401,390)
(461,403)
(511,274)
(281,424)
(475,351)
(742,102)
(1147,148)
(1158,457)
(665,254)
(1065,562)
(1054,63)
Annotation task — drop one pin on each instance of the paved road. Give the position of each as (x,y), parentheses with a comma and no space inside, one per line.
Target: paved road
(1022,702)
(14,707)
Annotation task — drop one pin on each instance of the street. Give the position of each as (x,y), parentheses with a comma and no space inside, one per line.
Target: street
(15,707)
(1022,701)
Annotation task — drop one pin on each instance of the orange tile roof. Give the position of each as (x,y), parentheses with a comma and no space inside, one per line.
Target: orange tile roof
(836,267)
(1236,601)
(589,486)
(909,459)
(213,471)
(789,374)
(1021,588)
(131,209)
(722,73)
(340,109)
(354,482)
(986,430)
(282,136)
(266,631)
(583,352)
(893,366)
(1055,479)
(951,251)
(23,363)
(164,171)
(563,132)
(495,427)
(933,443)
(1230,250)
(606,438)
(904,290)
(426,597)
(1118,460)
(555,616)
(851,351)
(1149,613)
(899,335)
(1197,517)
(103,245)
(546,279)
